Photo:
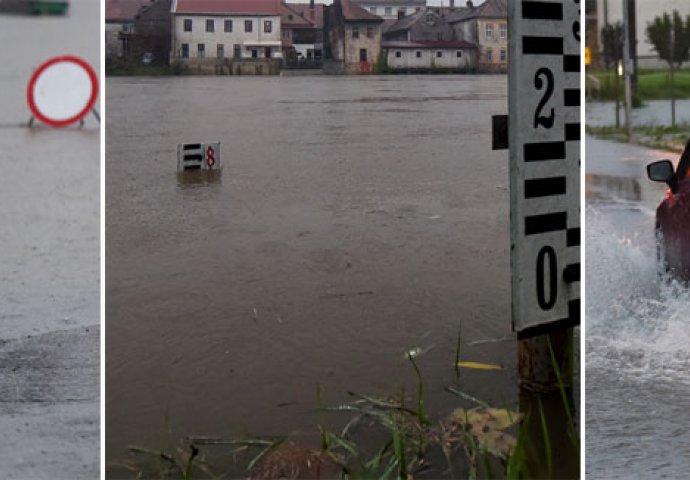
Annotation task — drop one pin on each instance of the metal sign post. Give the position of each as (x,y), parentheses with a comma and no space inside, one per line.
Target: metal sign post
(544,142)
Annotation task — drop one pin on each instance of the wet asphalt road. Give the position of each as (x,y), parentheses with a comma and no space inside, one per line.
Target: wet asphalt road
(49,263)
(637,360)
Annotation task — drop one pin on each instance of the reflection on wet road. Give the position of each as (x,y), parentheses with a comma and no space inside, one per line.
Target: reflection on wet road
(637,382)
(356,218)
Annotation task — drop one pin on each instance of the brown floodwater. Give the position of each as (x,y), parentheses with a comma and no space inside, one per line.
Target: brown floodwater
(355,218)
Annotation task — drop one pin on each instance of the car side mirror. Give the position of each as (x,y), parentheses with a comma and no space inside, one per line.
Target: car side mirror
(661,171)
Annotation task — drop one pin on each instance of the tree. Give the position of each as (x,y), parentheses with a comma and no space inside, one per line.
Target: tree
(671,40)
(670,37)
(612,40)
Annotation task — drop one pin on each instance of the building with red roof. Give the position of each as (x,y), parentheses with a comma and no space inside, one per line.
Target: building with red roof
(485,25)
(221,30)
(426,42)
(299,35)
(119,24)
(352,39)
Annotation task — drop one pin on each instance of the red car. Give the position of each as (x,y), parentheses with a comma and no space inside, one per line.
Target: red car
(673,215)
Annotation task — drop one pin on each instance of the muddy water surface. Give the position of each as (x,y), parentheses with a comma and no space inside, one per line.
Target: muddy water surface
(355,218)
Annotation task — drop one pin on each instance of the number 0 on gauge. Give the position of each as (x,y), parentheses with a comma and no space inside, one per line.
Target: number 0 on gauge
(62,91)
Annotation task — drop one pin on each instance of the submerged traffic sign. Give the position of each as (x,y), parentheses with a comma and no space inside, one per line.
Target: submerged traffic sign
(198,156)
(544,142)
(62,91)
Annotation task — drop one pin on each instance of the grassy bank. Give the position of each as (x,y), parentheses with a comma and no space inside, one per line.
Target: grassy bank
(652,136)
(651,84)
(395,437)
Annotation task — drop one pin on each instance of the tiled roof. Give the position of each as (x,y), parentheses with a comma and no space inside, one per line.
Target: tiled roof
(353,12)
(387,3)
(488,9)
(236,7)
(290,17)
(304,9)
(430,44)
(405,22)
(119,10)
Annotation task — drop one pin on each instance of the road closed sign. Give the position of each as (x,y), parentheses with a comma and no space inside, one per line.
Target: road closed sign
(544,143)
(62,91)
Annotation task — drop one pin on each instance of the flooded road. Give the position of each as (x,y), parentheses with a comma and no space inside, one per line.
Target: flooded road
(49,266)
(637,358)
(355,218)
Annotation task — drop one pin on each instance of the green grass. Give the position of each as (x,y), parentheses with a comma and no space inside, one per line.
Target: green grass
(385,439)
(661,137)
(651,84)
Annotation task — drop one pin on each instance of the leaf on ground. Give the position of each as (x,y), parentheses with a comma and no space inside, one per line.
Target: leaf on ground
(493,418)
(479,366)
(487,425)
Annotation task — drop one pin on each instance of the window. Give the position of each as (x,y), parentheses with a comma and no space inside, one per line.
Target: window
(187,24)
(504,30)
(418,54)
(489,55)
(210,26)
(439,54)
(286,33)
(398,54)
(201,50)
(458,54)
(236,51)
(370,32)
(255,53)
(184,52)
(389,11)
(220,50)
(355,31)
(268,26)
(362,54)
(228,26)
(489,30)
(503,55)
(248,26)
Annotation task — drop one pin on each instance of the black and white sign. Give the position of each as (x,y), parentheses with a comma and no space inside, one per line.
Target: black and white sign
(544,141)
(198,156)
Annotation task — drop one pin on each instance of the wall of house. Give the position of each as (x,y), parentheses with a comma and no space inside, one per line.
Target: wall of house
(238,36)
(113,44)
(215,66)
(429,60)
(354,45)
(380,10)
(494,44)
(152,32)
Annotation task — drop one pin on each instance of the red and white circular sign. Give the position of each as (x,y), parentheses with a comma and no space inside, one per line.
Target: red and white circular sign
(62,91)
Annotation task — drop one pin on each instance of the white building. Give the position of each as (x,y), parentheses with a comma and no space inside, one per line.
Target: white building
(226,29)
(391,9)
(413,56)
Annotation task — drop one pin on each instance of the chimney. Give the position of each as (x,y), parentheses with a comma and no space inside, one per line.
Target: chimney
(452,4)
(311,10)
(469,4)
(401,13)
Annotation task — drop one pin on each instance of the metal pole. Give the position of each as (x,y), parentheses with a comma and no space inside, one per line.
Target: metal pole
(627,70)
(673,55)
